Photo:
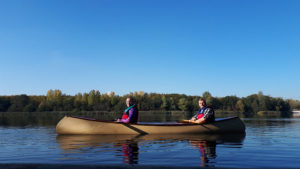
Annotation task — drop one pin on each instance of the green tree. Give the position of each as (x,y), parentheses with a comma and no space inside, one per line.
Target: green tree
(173,104)
(216,103)
(195,103)
(84,101)
(255,106)
(206,95)
(165,103)
(229,102)
(294,104)
(4,104)
(68,103)
(240,106)
(50,95)
(43,106)
(92,98)
(32,105)
(97,98)
(78,101)
(58,100)
(54,100)
(262,101)
(184,104)
(282,105)
(18,103)
(155,102)
(114,101)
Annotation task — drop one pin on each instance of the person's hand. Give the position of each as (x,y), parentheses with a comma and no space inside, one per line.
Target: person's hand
(200,121)
(118,120)
(192,119)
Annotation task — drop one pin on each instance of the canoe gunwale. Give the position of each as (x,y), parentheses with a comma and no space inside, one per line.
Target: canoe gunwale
(179,124)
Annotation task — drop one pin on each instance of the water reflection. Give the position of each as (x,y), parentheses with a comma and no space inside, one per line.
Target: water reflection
(206,144)
(127,146)
(207,150)
(130,152)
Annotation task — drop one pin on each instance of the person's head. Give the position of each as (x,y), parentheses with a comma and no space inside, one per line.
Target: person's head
(202,103)
(129,101)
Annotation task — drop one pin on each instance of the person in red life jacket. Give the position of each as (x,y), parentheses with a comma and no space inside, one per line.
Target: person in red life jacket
(205,114)
(130,114)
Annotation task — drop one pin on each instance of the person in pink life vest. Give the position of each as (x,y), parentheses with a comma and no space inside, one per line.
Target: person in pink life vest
(130,114)
(205,114)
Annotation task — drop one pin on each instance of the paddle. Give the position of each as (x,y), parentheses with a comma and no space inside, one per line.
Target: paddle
(184,121)
(188,121)
(134,128)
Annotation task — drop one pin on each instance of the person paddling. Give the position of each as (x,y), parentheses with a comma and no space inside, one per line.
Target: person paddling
(130,114)
(205,114)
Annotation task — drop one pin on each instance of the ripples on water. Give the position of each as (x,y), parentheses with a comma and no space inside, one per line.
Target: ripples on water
(268,143)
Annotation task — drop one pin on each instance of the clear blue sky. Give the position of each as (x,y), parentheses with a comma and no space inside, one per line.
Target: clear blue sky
(225,47)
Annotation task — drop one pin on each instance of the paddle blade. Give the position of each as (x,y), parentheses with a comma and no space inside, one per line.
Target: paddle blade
(190,122)
(184,121)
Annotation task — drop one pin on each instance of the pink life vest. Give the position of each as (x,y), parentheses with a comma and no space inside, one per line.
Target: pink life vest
(200,116)
(125,116)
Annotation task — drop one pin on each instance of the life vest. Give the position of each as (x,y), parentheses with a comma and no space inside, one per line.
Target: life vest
(201,113)
(126,112)
(124,116)
(200,116)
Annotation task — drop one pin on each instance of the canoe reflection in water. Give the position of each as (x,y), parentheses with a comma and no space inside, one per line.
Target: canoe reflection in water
(127,146)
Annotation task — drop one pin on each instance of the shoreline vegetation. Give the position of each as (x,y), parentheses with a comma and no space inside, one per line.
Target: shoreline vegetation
(55,100)
(51,118)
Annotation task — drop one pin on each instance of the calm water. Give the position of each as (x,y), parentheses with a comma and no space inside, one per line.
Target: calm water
(269,142)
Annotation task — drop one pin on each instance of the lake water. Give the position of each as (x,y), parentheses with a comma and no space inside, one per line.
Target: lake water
(268,142)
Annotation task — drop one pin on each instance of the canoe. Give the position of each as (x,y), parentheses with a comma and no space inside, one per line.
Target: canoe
(81,125)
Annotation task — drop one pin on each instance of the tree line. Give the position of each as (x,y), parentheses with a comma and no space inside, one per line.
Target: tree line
(55,100)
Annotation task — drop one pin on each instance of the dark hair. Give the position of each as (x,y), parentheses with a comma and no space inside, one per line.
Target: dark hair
(202,99)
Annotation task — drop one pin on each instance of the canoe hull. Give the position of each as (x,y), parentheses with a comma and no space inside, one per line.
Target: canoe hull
(76,125)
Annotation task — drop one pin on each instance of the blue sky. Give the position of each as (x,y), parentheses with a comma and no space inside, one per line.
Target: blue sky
(226,47)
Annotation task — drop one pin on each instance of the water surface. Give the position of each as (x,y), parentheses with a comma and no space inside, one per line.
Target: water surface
(269,142)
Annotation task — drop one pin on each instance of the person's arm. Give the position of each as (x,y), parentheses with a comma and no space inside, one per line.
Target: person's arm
(194,118)
(200,121)
(129,117)
(209,114)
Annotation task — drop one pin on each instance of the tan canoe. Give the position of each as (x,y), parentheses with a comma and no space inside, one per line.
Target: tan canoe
(80,125)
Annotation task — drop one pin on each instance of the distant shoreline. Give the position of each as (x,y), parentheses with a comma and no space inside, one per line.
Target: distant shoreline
(175,112)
